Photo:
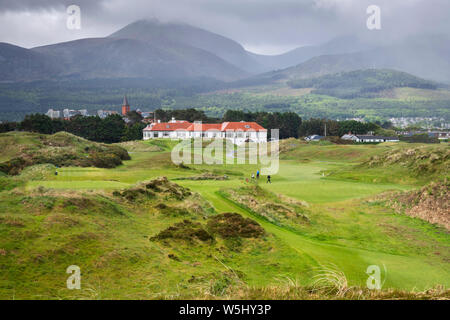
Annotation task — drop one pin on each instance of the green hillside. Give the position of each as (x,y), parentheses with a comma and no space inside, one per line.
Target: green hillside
(137,235)
(361,83)
(372,94)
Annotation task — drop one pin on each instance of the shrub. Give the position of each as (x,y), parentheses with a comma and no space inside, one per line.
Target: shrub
(230,224)
(133,194)
(187,230)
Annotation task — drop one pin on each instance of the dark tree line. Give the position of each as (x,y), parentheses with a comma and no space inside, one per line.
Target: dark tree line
(190,115)
(336,128)
(114,129)
(287,122)
(108,130)
(420,138)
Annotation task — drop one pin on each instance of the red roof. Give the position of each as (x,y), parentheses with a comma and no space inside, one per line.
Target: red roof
(166,126)
(243,126)
(205,127)
(225,126)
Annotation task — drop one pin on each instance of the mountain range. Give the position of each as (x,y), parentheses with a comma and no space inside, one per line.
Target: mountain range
(152,49)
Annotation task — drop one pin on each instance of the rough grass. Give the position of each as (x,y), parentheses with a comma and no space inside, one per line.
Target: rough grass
(293,291)
(139,146)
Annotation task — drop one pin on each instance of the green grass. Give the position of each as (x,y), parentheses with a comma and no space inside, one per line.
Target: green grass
(110,238)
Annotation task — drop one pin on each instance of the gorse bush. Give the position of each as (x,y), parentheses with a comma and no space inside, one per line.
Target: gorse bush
(229,225)
(186,230)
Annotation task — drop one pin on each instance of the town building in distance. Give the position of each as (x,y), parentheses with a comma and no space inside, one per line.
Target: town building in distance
(66,113)
(368,138)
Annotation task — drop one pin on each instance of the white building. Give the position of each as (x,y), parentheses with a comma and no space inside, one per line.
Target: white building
(54,114)
(314,137)
(368,138)
(104,113)
(237,132)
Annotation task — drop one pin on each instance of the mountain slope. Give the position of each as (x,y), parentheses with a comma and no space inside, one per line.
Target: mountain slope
(113,58)
(153,31)
(345,44)
(17,64)
(425,57)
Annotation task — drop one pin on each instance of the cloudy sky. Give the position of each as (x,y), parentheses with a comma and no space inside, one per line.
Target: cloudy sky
(262,26)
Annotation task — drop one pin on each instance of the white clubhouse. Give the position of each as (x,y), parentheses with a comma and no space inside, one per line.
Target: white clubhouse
(237,132)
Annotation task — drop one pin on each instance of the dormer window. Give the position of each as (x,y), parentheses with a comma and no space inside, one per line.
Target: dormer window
(247,126)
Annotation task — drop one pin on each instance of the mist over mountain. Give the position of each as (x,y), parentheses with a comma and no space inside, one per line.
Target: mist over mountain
(344,44)
(424,56)
(152,49)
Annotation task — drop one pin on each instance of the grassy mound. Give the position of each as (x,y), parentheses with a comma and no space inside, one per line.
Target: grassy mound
(280,210)
(133,194)
(169,189)
(423,160)
(168,198)
(399,163)
(60,149)
(148,189)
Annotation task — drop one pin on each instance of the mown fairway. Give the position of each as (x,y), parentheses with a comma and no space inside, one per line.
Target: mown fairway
(345,231)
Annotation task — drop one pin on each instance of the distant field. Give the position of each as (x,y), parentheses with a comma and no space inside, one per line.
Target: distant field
(413,93)
(307,105)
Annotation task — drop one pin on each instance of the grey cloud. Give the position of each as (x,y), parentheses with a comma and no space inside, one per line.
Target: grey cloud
(253,23)
(37,5)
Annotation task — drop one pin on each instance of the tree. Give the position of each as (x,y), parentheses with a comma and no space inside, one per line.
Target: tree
(133,132)
(37,123)
(134,117)
(8,126)
(111,129)
(355,127)
(312,126)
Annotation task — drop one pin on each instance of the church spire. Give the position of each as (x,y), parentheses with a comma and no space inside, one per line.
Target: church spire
(125,106)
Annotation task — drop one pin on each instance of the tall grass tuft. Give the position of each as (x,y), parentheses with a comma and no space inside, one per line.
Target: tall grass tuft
(331,280)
